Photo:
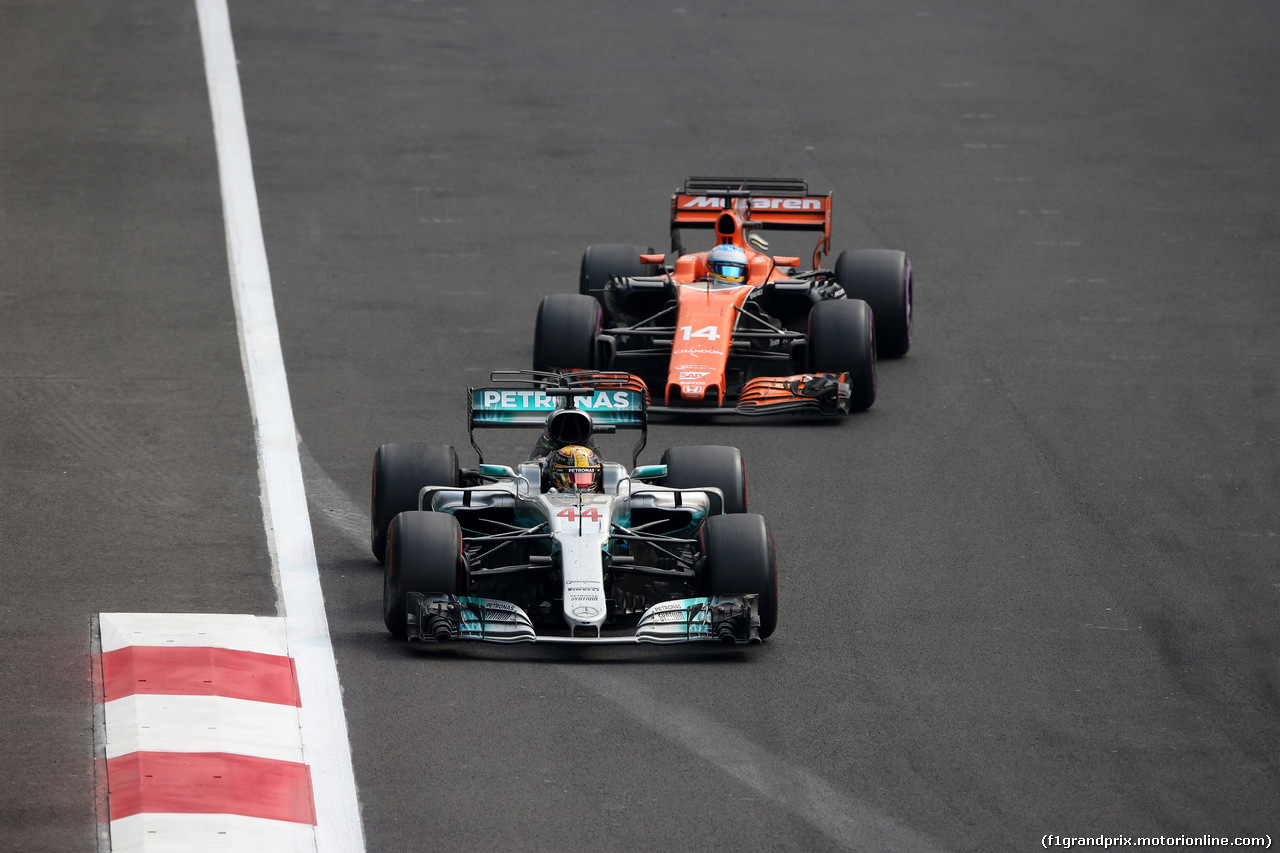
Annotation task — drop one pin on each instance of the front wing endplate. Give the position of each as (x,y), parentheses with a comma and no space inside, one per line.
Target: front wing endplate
(821,393)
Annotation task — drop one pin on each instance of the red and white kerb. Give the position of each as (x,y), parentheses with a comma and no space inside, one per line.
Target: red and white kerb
(203,747)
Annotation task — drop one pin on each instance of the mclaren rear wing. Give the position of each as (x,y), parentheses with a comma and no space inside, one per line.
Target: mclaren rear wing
(779,204)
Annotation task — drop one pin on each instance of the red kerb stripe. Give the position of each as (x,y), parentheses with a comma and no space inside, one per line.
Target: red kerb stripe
(186,671)
(209,783)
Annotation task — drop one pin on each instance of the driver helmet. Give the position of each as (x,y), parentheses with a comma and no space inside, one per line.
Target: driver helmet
(727,264)
(576,469)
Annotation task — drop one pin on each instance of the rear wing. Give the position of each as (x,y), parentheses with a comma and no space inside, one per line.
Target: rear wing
(526,398)
(779,204)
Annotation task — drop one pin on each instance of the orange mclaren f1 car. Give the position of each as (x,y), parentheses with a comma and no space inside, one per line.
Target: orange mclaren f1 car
(734,329)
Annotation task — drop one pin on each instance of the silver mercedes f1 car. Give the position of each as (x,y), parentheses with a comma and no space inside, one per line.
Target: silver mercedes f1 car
(662,553)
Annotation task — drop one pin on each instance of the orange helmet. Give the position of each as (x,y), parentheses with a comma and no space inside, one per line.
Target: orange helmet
(576,469)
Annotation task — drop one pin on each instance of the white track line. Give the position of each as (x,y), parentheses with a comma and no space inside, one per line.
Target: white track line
(324,728)
(851,823)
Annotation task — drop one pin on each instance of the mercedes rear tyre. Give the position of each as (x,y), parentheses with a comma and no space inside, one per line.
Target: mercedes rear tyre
(565,335)
(882,279)
(424,554)
(842,340)
(739,559)
(709,465)
(399,473)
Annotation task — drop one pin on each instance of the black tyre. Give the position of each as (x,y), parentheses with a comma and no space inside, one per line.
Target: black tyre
(882,279)
(709,465)
(424,554)
(565,335)
(740,560)
(399,473)
(842,340)
(599,263)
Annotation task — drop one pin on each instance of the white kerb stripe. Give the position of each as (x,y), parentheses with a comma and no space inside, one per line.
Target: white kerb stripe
(260,634)
(152,723)
(209,833)
(324,729)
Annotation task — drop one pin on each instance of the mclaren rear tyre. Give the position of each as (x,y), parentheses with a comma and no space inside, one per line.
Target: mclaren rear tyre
(399,473)
(842,340)
(600,263)
(882,279)
(740,560)
(424,554)
(709,465)
(565,336)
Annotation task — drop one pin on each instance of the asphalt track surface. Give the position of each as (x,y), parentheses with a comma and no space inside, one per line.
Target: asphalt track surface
(1033,591)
